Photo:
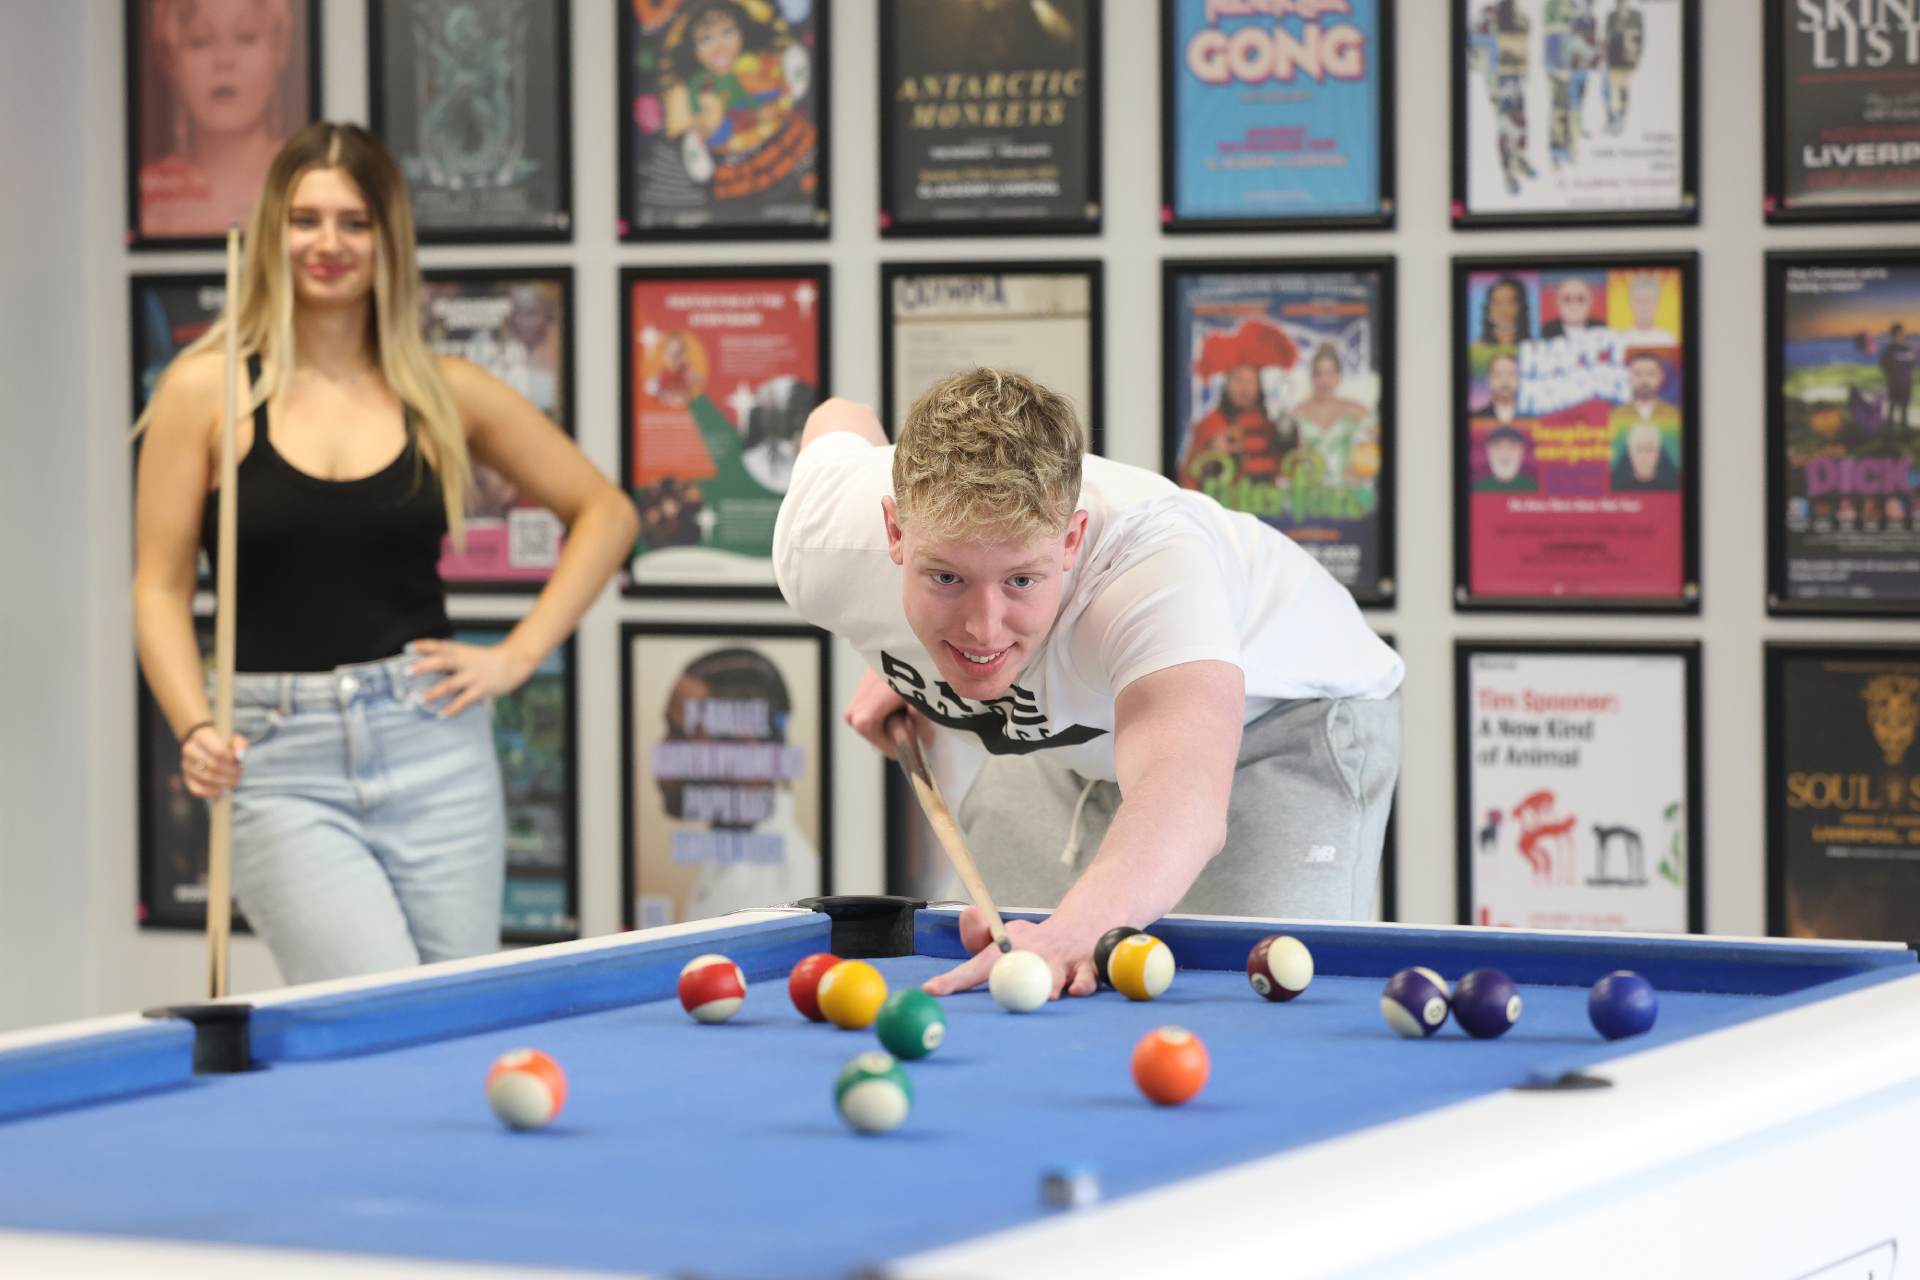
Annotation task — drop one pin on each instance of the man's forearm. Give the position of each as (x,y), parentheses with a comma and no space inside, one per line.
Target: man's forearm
(1161,838)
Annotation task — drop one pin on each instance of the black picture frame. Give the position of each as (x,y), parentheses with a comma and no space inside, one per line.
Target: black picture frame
(1775,202)
(1390,844)
(721,632)
(1689,653)
(382,116)
(569,798)
(1890,786)
(1091,269)
(1685,212)
(1381,593)
(561,278)
(893,224)
(1780,602)
(628,227)
(821,276)
(1381,219)
(1688,600)
(134,77)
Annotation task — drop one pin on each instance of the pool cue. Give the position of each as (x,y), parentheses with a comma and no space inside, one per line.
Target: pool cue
(907,754)
(220,829)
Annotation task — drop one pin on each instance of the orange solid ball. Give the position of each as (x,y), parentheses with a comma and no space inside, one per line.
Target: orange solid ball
(1170,1065)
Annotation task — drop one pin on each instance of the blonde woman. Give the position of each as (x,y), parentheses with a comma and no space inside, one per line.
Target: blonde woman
(368,823)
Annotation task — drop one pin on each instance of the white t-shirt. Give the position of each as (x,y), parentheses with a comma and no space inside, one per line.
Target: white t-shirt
(1165,576)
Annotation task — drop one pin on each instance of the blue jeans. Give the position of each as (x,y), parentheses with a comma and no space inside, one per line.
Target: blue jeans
(368,832)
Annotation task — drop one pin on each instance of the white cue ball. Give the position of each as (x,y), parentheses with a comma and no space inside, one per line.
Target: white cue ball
(1021,981)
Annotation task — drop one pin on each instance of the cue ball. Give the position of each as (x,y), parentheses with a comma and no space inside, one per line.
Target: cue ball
(872,1094)
(1141,967)
(712,988)
(851,994)
(803,984)
(526,1088)
(1486,1003)
(1103,951)
(911,1024)
(1170,1065)
(1414,1002)
(1622,1004)
(1279,967)
(1021,981)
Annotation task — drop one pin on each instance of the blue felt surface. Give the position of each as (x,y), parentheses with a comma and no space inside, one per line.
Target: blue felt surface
(717,1149)
(67,1073)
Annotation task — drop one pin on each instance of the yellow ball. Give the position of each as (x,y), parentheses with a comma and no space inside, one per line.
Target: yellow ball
(851,994)
(1141,967)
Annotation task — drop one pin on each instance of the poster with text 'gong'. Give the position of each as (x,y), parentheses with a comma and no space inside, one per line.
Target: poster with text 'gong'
(1843,792)
(1578,788)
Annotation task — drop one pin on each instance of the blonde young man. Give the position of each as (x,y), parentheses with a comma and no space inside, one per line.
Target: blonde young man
(1173,692)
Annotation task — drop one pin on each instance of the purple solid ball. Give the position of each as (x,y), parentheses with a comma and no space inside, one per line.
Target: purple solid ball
(1622,1004)
(1486,1003)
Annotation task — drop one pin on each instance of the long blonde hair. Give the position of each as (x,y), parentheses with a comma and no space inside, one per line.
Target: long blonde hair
(264,309)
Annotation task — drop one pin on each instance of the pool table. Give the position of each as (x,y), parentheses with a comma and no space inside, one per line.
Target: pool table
(1766,1126)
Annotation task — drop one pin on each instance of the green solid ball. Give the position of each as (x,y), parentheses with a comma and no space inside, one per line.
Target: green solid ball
(871,1093)
(911,1024)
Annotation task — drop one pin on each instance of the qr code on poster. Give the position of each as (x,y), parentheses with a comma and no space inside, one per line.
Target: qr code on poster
(533,538)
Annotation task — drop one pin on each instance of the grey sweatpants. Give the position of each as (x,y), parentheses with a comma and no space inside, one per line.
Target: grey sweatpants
(1305,823)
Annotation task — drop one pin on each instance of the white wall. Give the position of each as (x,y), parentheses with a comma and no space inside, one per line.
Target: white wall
(68,945)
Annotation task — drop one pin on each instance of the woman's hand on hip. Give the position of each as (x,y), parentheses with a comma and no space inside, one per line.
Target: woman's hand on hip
(472,672)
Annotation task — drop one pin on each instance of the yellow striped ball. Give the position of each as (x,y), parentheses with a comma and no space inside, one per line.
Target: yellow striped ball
(851,994)
(1141,967)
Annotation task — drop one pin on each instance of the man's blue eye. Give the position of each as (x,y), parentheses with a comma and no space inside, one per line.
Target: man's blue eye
(945,579)
(1022,581)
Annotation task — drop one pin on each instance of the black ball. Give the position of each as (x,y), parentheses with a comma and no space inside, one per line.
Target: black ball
(1103,950)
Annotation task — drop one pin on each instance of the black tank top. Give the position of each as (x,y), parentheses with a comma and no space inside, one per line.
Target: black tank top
(332,571)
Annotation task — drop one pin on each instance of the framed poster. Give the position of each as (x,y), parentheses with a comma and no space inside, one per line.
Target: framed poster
(719,369)
(725,760)
(1278,401)
(475,102)
(1576,433)
(516,323)
(1578,772)
(1575,111)
(1843,136)
(536,735)
(989,117)
(1276,117)
(169,312)
(1843,455)
(1041,319)
(213,90)
(723,119)
(1843,791)
(173,822)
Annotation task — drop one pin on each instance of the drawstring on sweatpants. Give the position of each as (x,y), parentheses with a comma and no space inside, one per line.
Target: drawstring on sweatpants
(1071,853)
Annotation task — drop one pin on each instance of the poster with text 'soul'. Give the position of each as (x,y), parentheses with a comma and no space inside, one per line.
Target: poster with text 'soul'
(1575,790)
(1848,104)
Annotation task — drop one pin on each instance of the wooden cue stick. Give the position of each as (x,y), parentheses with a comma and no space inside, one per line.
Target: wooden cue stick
(907,753)
(220,829)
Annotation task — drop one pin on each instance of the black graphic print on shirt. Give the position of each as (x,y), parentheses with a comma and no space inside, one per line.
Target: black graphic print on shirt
(1012,724)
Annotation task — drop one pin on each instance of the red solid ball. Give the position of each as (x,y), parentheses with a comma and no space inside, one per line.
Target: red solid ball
(712,988)
(803,984)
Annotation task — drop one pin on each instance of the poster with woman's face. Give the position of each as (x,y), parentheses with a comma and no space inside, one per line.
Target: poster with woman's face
(724,124)
(516,324)
(719,374)
(725,768)
(1277,403)
(1575,433)
(215,88)
(989,116)
(1041,320)
(472,98)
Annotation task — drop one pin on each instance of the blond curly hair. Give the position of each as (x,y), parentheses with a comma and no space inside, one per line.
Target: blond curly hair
(988,455)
